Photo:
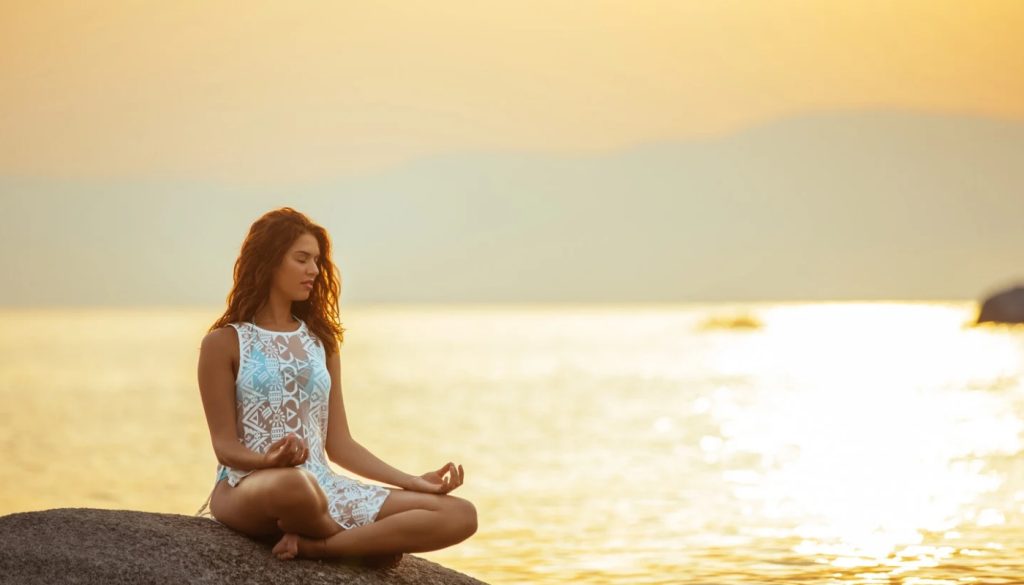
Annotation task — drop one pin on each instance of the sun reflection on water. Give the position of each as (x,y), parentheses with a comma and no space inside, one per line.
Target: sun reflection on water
(865,442)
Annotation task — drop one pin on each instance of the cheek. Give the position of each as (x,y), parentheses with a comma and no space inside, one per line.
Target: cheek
(289,270)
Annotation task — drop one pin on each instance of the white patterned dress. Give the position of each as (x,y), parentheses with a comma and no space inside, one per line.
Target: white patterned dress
(282,387)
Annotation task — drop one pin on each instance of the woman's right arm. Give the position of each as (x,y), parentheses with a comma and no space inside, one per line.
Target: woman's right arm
(217,387)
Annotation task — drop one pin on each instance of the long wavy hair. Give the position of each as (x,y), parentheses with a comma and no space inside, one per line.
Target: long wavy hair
(264,248)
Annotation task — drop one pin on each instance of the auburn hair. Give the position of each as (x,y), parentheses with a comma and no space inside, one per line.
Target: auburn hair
(264,248)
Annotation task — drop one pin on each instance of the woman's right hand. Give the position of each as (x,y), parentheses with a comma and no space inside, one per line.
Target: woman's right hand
(287,451)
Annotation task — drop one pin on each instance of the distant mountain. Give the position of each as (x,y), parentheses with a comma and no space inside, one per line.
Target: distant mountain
(858,205)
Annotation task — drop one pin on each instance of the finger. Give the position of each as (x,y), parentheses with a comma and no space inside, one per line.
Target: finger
(275,455)
(282,446)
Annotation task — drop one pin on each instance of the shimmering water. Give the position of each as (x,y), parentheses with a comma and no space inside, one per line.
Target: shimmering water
(806,443)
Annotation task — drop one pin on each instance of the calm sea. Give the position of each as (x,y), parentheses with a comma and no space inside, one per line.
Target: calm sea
(746,443)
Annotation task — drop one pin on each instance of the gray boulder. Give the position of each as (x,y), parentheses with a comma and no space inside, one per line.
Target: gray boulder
(86,545)
(1003,307)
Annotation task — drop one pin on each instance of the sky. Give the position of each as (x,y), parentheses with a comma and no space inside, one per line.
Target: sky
(231,103)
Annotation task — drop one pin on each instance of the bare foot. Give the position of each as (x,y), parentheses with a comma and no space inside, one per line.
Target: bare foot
(287,548)
(290,544)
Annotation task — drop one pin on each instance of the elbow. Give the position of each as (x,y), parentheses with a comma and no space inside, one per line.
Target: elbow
(336,451)
(333,457)
(220,457)
(220,451)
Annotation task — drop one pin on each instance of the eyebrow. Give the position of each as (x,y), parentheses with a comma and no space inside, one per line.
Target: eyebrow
(307,253)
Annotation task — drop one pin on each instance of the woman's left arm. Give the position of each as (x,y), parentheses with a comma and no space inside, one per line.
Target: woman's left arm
(343,449)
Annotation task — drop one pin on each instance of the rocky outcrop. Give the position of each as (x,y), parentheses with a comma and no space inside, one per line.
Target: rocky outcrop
(1003,307)
(86,545)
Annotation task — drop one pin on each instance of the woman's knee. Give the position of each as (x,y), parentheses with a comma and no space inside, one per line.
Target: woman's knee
(294,489)
(463,515)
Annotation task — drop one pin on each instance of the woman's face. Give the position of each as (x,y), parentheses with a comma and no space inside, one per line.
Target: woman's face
(299,267)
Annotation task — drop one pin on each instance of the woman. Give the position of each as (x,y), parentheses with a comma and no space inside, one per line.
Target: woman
(270,380)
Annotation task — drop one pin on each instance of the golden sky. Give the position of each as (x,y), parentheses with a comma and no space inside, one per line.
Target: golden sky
(292,91)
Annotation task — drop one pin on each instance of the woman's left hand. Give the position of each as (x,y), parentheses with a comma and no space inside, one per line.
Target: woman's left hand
(435,482)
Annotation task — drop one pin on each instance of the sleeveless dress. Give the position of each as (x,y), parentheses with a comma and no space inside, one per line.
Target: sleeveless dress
(282,387)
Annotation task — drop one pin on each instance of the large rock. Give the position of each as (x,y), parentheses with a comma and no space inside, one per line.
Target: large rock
(1003,307)
(85,545)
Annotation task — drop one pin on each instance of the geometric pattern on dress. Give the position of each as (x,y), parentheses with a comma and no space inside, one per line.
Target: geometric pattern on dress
(282,387)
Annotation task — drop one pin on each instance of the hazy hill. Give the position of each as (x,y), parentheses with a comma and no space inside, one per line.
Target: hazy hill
(862,205)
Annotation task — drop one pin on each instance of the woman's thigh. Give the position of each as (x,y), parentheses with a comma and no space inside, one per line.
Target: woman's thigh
(401,500)
(244,506)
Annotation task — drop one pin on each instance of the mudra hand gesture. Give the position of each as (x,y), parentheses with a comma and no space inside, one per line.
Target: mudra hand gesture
(435,481)
(287,451)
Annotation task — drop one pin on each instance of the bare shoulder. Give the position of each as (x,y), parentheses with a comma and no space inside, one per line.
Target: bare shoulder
(333,361)
(221,343)
(220,338)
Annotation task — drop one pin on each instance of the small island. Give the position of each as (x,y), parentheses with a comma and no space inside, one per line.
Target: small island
(1004,307)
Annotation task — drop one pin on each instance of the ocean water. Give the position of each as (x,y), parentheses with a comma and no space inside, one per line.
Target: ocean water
(721,443)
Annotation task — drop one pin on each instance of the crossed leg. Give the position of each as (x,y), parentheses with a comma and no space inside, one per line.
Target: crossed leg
(287,502)
(271,502)
(408,522)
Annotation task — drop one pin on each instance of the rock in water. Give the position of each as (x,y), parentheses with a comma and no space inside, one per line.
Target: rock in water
(1003,307)
(86,545)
